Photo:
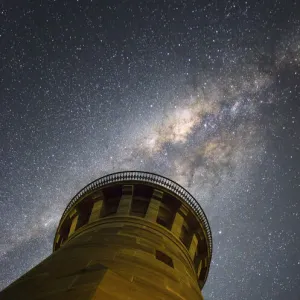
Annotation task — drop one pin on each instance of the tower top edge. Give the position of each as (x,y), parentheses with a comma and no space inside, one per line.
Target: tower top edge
(146,177)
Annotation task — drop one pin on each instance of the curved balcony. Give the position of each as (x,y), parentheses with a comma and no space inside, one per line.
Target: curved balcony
(155,179)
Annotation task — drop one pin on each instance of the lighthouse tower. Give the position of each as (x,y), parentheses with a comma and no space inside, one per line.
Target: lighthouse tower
(127,235)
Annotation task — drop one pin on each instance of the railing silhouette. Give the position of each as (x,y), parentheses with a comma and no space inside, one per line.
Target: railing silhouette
(150,178)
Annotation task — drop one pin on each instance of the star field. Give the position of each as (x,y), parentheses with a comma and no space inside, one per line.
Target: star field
(203,92)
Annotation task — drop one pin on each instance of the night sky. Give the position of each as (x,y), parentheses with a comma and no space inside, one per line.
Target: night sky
(204,92)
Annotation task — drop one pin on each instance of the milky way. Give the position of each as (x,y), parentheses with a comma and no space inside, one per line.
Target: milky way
(206,94)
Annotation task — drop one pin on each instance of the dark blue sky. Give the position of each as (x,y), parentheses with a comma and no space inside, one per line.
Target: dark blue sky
(204,92)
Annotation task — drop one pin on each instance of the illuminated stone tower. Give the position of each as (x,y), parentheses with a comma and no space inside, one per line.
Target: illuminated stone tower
(128,235)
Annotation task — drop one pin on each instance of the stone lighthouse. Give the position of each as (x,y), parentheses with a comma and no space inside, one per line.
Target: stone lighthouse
(128,235)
